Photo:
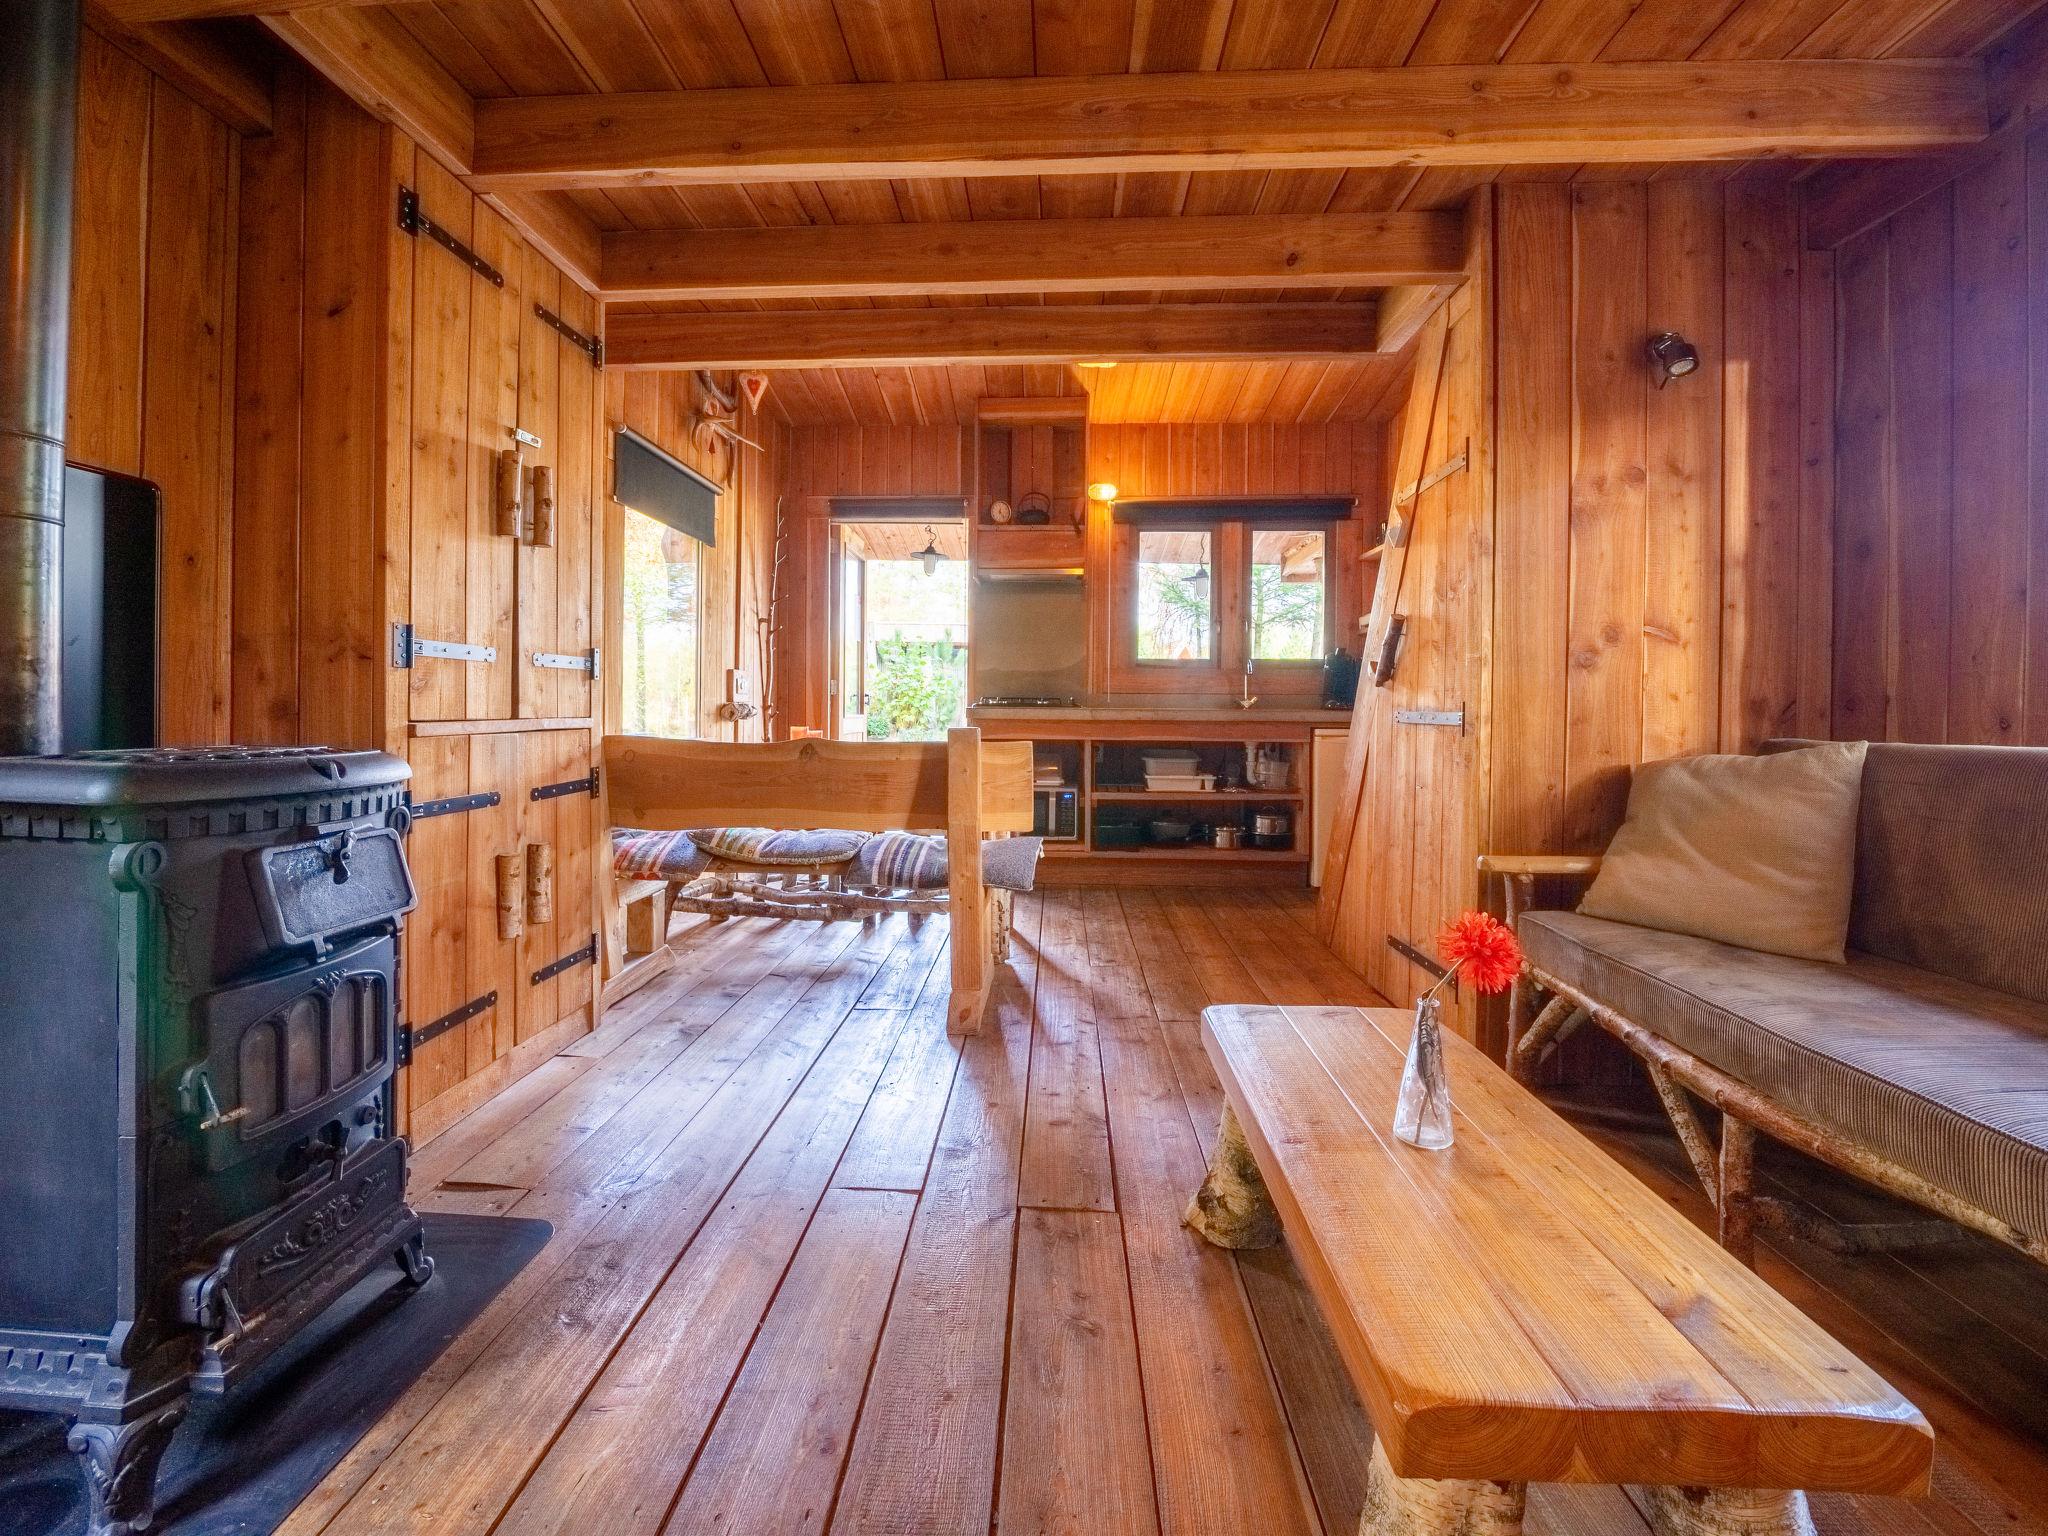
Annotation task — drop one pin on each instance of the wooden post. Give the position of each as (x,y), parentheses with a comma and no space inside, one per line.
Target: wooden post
(1726,1512)
(1735,1208)
(542,533)
(1426,1506)
(540,882)
(510,495)
(511,894)
(968,897)
(647,922)
(1232,1209)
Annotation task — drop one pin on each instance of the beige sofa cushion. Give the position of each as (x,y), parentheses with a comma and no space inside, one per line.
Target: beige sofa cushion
(1758,852)
(1944,1078)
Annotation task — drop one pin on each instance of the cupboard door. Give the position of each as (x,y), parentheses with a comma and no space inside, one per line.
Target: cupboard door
(561,823)
(436,934)
(493,592)
(540,368)
(441,460)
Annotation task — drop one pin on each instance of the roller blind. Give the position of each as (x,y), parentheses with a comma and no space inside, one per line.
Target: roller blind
(661,486)
(1266,511)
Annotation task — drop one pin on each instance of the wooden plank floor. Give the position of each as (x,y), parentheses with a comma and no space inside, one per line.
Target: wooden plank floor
(816,1267)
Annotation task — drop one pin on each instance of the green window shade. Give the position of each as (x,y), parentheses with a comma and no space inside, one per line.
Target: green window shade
(661,486)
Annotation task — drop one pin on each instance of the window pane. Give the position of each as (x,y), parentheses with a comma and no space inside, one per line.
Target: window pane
(660,614)
(1174,585)
(1287,594)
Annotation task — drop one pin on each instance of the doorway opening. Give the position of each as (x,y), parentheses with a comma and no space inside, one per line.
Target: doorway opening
(899,652)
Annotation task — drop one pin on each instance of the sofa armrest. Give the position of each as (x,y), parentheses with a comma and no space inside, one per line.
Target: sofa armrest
(1529,865)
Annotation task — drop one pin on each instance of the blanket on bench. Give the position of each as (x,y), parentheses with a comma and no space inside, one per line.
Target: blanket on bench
(887,861)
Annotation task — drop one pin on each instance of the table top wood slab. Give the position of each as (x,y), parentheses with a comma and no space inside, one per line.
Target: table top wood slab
(1520,1307)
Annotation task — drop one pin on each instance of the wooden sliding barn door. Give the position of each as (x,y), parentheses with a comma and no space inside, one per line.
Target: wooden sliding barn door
(1405,839)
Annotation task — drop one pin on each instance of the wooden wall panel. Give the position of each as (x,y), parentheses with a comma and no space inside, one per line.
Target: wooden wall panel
(1940,462)
(269,472)
(110,224)
(1663,586)
(151,389)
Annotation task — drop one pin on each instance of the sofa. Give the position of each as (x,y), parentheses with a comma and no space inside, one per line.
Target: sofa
(1921,1065)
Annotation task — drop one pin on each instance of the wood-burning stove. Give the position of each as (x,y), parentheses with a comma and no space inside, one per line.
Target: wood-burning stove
(198,983)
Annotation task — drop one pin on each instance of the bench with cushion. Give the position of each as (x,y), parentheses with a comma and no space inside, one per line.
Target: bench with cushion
(1518,1308)
(1920,1065)
(759,790)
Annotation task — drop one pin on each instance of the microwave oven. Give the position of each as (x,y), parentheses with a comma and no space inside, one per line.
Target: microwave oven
(1056,815)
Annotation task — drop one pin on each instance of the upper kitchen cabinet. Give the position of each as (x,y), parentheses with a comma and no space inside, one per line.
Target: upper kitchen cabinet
(1030,485)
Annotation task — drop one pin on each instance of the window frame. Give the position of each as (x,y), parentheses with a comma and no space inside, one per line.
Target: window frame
(1230,587)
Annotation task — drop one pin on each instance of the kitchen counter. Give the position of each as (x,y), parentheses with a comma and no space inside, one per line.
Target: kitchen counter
(1198,712)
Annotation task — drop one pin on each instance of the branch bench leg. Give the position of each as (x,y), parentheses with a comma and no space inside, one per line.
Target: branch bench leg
(1726,1512)
(1423,1506)
(1232,1208)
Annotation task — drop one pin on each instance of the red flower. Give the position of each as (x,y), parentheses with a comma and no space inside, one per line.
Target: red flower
(1484,948)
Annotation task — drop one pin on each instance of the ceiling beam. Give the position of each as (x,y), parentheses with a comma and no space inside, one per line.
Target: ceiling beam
(137,12)
(1439,115)
(227,78)
(1037,256)
(370,56)
(878,338)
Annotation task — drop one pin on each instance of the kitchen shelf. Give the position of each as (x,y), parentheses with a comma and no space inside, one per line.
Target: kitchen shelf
(1175,796)
(1254,855)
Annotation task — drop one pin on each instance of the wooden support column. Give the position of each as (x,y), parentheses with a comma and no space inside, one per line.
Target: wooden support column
(1425,1506)
(1735,1207)
(1726,1512)
(967,896)
(1232,1209)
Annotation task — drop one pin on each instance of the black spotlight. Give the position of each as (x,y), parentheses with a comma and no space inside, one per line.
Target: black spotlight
(1672,357)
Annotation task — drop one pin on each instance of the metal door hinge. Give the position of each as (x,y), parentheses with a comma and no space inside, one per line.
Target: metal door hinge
(424,810)
(563,662)
(1427,961)
(1451,717)
(585,785)
(568,962)
(411,1039)
(414,221)
(591,347)
(407,646)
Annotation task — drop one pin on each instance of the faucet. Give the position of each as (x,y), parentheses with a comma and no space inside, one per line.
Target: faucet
(1246,698)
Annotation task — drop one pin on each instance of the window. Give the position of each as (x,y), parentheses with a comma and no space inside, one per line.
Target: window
(1228,597)
(1287,594)
(660,614)
(1176,595)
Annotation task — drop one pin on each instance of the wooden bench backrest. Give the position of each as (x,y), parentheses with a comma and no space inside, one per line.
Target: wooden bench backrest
(667,785)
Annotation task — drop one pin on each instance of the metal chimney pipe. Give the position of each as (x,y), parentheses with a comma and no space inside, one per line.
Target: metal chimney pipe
(38,134)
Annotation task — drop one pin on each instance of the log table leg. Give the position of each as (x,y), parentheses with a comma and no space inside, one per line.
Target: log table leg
(1232,1208)
(1726,1512)
(1423,1506)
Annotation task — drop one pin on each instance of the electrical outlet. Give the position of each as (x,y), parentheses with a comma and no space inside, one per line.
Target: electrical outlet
(739,685)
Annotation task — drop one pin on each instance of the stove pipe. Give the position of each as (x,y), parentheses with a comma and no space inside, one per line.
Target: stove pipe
(38,131)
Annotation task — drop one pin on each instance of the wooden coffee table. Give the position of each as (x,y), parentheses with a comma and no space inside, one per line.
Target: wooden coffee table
(1519,1308)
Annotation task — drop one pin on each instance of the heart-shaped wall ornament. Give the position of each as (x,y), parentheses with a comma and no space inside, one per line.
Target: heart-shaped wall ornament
(754,386)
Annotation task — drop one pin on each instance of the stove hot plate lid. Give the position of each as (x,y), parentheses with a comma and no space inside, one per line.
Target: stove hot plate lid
(193,775)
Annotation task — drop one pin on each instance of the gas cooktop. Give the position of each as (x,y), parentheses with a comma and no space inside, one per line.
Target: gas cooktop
(1026,701)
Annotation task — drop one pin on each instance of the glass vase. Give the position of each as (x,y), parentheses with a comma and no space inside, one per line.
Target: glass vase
(1422,1115)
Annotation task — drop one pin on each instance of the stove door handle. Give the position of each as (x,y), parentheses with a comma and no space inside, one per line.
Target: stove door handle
(196,1097)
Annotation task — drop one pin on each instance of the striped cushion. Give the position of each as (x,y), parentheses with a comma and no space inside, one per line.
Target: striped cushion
(1946,1079)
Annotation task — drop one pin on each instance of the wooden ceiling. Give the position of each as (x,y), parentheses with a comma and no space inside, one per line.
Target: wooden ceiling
(722,157)
(1363,389)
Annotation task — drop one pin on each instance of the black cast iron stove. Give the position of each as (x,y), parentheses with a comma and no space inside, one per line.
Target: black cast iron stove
(198,982)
